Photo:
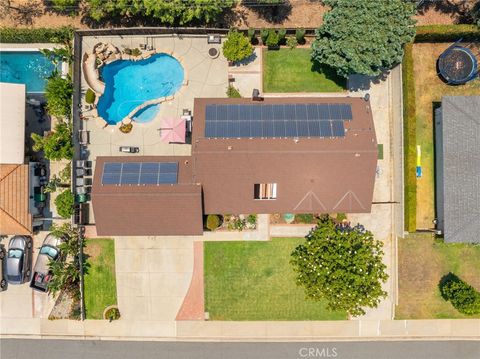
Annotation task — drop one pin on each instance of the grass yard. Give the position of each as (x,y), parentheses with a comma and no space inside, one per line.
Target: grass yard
(429,89)
(422,262)
(100,284)
(255,281)
(288,70)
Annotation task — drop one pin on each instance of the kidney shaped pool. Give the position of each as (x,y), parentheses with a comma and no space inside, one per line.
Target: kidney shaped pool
(131,83)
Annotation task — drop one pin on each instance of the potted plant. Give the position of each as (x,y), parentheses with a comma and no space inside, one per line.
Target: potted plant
(272,40)
(111,313)
(126,127)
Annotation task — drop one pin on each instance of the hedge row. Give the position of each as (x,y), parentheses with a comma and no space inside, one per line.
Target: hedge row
(47,35)
(447,33)
(410,140)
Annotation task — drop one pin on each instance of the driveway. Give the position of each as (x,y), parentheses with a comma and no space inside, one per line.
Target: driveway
(153,276)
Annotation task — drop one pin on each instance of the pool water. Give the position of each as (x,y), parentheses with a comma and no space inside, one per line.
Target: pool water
(29,68)
(146,114)
(131,83)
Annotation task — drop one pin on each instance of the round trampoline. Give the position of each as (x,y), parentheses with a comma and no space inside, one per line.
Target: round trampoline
(457,65)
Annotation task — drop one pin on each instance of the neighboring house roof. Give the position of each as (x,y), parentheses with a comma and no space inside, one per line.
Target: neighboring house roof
(143,210)
(313,174)
(14,200)
(457,131)
(12,123)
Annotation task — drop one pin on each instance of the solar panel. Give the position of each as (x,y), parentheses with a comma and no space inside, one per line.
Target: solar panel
(276,120)
(139,173)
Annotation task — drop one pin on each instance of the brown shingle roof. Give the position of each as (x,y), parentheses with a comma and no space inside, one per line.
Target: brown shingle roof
(148,210)
(14,200)
(312,174)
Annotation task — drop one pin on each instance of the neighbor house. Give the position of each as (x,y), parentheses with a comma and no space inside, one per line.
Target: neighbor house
(279,155)
(457,166)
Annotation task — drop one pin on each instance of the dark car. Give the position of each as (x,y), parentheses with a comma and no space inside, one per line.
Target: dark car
(3,281)
(49,251)
(19,260)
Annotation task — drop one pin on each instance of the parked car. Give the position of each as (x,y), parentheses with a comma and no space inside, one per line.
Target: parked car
(49,251)
(19,260)
(129,149)
(3,280)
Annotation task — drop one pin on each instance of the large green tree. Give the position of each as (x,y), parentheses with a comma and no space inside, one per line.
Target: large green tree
(170,12)
(364,37)
(237,47)
(342,265)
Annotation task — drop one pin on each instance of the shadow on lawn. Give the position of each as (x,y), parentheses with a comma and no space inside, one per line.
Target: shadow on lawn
(329,73)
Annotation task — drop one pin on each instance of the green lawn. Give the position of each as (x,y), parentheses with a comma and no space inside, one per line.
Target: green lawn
(422,262)
(288,70)
(100,284)
(255,281)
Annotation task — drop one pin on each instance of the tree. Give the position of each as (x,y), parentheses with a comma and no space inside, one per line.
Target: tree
(237,46)
(58,92)
(57,144)
(342,265)
(363,37)
(64,203)
(59,54)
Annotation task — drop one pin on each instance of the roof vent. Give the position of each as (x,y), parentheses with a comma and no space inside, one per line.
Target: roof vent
(357,154)
(229,148)
(296,139)
(366,97)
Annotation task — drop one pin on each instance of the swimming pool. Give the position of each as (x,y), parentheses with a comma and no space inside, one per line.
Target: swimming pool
(131,83)
(25,67)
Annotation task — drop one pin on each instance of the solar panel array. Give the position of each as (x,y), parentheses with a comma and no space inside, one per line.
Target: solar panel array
(139,173)
(276,121)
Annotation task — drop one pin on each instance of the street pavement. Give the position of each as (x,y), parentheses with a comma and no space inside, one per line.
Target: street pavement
(39,349)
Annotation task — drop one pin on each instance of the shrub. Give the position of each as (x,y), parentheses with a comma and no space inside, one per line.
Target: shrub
(66,174)
(237,47)
(126,127)
(282,33)
(251,35)
(304,218)
(272,39)
(410,140)
(300,36)
(57,144)
(292,42)
(341,217)
(462,295)
(213,222)
(264,35)
(64,203)
(232,92)
(112,314)
(90,96)
(39,35)
(63,5)
(58,93)
(136,52)
(447,33)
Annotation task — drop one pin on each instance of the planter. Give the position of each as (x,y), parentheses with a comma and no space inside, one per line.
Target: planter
(111,313)
(273,48)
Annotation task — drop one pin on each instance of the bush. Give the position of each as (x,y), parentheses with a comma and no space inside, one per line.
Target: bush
(237,47)
(264,35)
(410,141)
(292,42)
(341,217)
(300,36)
(272,39)
(304,218)
(213,222)
(64,203)
(90,96)
(136,52)
(64,5)
(112,314)
(46,35)
(57,144)
(462,295)
(251,35)
(281,36)
(447,33)
(232,92)
(58,93)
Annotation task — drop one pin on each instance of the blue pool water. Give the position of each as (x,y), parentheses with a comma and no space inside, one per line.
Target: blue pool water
(130,83)
(29,68)
(147,114)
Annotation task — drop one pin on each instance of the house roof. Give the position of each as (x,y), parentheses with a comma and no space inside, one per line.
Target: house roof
(314,174)
(457,130)
(14,200)
(12,123)
(141,210)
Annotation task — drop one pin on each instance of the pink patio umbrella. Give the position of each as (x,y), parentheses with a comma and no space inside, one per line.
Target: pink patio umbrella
(173,130)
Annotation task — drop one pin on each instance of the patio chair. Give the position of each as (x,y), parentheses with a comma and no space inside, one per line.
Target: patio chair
(79,182)
(84,137)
